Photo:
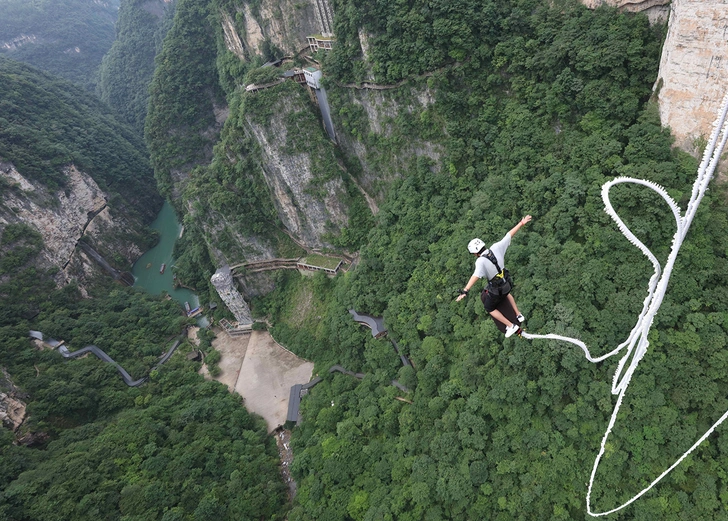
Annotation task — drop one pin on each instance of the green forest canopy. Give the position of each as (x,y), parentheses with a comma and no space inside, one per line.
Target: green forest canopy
(47,124)
(539,104)
(63,37)
(541,107)
(177,447)
(128,67)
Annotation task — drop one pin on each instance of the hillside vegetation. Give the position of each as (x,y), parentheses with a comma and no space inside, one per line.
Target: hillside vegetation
(128,67)
(534,105)
(540,104)
(177,447)
(47,124)
(64,37)
(182,94)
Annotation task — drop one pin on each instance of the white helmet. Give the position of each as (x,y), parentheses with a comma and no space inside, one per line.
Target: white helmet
(475,246)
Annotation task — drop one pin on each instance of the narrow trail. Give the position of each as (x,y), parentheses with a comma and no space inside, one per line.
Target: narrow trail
(637,343)
(63,350)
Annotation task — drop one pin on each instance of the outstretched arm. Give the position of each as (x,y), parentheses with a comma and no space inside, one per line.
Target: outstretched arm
(517,227)
(467,287)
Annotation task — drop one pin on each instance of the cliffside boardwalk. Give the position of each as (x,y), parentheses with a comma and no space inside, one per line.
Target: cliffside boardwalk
(285,264)
(376,324)
(101,354)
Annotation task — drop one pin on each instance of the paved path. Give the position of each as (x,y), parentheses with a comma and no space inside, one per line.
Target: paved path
(106,358)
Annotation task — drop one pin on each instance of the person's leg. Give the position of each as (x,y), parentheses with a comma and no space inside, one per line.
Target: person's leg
(500,318)
(513,304)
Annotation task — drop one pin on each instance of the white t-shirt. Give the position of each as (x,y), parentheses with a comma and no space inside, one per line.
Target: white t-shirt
(484,268)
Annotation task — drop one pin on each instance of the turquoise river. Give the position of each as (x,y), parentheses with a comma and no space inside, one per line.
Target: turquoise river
(146,270)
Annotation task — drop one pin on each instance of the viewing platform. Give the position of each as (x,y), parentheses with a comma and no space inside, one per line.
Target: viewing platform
(321,42)
(313,262)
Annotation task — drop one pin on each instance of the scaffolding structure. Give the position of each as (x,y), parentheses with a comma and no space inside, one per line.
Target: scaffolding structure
(225,286)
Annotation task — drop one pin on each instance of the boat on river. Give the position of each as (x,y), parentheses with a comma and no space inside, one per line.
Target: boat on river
(162,268)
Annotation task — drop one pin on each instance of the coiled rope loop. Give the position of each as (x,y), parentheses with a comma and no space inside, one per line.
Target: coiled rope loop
(637,343)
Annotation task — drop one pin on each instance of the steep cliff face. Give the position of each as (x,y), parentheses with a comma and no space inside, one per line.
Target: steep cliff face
(12,404)
(227,244)
(63,217)
(274,187)
(308,206)
(656,10)
(128,67)
(692,78)
(284,24)
(691,81)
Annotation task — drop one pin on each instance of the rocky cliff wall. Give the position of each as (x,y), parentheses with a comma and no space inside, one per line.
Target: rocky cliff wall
(12,404)
(656,10)
(276,157)
(63,217)
(693,69)
(246,247)
(691,81)
(309,205)
(284,24)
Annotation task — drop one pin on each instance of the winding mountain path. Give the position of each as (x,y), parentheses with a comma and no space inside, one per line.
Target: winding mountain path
(106,358)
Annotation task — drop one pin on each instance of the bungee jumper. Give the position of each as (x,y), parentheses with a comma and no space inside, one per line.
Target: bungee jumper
(496,297)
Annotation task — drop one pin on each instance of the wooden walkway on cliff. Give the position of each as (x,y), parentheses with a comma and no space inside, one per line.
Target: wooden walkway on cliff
(284,264)
(267,265)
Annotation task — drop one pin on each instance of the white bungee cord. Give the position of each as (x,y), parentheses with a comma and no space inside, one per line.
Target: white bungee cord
(637,342)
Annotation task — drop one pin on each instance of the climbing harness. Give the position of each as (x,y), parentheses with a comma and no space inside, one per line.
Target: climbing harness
(637,341)
(501,284)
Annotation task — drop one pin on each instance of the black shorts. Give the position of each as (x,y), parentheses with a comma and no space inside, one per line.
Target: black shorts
(490,300)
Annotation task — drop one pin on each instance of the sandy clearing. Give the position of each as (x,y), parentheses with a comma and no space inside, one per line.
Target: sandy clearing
(232,353)
(267,373)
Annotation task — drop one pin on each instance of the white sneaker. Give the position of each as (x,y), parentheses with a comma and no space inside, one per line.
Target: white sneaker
(511,329)
(521,319)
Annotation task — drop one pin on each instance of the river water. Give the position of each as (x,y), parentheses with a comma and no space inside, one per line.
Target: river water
(146,269)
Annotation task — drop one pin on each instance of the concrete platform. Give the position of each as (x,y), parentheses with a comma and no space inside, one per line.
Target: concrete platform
(266,375)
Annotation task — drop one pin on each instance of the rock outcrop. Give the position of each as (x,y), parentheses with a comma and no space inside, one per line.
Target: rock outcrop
(656,10)
(283,24)
(309,207)
(691,82)
(12,412)
(62,217)
(12,407)
(232,40)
